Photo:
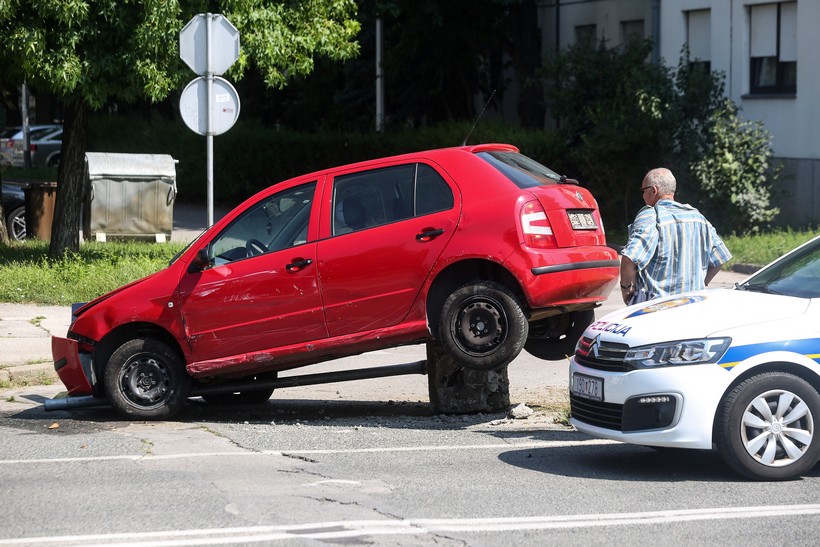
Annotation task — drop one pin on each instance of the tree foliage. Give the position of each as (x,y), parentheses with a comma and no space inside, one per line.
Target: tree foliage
(621,116)
(436,68)
(735,173)
(90,53)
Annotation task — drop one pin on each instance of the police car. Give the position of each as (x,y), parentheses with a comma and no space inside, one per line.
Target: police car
(736,369)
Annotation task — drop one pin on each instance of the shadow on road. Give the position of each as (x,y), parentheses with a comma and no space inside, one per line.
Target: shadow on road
(626,462)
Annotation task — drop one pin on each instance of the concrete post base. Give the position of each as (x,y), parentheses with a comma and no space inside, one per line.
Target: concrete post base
(454,389)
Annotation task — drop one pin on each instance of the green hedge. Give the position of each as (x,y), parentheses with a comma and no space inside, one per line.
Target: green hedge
(252,156)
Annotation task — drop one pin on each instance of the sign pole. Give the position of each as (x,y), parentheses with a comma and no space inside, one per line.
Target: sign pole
(209,45)
(209,137)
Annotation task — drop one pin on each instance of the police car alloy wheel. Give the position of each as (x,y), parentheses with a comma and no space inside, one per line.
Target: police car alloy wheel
(766,427)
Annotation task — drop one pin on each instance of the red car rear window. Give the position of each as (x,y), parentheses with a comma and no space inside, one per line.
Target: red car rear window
(523,171)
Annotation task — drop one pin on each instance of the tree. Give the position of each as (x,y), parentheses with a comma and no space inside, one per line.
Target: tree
(621,116)
(736,174)
(92,52)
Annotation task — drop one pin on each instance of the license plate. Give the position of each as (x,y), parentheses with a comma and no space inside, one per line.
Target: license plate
(581,220)
(588,387)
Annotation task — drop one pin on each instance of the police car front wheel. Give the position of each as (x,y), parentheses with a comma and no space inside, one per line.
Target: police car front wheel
(766,427)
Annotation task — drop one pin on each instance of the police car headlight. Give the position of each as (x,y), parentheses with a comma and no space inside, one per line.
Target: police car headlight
(682,352)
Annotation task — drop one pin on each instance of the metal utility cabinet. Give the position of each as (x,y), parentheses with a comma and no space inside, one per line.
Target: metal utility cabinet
(129,196)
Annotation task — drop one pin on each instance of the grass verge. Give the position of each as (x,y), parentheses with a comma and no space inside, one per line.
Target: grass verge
(27,275)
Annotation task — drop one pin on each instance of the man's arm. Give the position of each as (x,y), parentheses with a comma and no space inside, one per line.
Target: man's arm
(628,273)
(711,272)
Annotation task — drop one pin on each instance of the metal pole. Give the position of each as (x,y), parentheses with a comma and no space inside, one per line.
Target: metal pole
(379,77)
(209,135)
(656,31)
(26,128)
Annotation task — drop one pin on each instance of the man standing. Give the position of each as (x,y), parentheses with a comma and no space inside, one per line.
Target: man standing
(671,248)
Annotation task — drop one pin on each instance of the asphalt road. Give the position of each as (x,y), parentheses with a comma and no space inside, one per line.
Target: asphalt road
(366,462)
(314,470)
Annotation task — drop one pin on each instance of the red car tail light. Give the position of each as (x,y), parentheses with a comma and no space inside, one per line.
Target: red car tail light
(536,227)
(32,147)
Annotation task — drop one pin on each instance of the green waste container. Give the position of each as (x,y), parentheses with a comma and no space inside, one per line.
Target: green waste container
(41,198)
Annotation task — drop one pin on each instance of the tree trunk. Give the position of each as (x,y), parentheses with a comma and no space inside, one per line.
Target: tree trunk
(65,229)
(526,53)
(4,234)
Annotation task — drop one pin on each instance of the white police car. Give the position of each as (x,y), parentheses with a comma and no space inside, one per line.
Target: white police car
(735,369)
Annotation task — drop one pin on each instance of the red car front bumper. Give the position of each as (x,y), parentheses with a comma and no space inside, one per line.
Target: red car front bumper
(74,371)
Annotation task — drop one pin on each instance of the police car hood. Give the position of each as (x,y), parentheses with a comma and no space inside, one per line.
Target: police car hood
(694,315)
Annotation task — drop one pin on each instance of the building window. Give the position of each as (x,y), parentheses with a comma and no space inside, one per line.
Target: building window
(773,63)
(631,30)
(585,34)
(699,39)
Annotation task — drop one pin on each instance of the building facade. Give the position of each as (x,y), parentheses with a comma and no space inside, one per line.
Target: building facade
(765,48)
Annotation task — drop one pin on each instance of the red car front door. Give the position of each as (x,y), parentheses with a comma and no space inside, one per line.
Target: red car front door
(262,290)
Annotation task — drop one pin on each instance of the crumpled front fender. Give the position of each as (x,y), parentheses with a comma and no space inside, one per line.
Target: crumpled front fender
(74,369)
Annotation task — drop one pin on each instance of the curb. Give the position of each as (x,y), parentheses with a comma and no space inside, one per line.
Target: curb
(26,375)
(745,268)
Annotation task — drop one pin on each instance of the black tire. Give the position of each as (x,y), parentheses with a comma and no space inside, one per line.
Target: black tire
(555,337)
(482,326)
(751,432)
(16,224)
(146,379)
(255,397)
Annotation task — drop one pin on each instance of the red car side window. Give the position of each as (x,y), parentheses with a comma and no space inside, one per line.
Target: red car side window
(277,222)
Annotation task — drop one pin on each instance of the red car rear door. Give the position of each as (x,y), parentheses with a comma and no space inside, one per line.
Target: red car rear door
(377,254)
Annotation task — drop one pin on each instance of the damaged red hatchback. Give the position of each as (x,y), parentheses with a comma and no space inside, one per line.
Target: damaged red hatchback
(477,248)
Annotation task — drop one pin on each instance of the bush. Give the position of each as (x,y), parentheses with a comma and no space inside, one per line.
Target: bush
(735,174)
(620,116)
(252,156)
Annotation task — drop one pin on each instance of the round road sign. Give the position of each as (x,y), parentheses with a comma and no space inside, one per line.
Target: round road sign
(224,104)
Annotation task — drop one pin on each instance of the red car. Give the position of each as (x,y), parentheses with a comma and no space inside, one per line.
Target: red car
(477,248)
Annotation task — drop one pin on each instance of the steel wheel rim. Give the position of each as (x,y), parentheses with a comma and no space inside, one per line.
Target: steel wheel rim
(480,327)
(145,381)
(777,428)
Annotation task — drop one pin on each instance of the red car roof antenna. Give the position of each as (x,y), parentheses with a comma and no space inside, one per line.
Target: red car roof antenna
(464,143)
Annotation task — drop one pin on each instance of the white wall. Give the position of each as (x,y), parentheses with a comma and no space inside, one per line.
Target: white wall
(606,15)
(794,121)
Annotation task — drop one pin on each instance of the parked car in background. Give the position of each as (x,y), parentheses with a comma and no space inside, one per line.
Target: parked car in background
(479,249)
(7,145)
(732,368)
(14,208)
(45,142)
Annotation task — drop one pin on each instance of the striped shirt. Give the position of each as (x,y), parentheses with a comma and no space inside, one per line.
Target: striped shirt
(673,245)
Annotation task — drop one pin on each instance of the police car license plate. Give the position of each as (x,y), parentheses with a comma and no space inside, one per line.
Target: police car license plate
(588,387)
(581,220)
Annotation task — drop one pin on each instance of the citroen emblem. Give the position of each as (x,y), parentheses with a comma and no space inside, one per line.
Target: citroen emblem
(593,347)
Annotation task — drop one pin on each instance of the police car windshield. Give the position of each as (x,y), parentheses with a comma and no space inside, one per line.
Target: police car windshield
(796,274)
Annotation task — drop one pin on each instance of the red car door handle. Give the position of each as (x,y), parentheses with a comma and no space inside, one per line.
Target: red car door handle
(298,264)
(429,233)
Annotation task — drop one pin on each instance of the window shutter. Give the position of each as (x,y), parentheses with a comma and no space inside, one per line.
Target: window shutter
(788,31)
(764,30)
(699,36)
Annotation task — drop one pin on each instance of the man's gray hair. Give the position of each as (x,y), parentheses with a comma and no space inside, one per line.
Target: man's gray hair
(663,179)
